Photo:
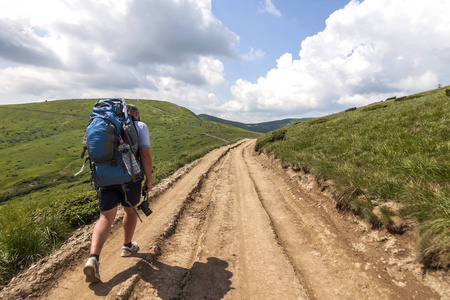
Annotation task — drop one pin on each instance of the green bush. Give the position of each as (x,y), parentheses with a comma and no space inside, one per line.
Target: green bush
(79,210)
(277,135)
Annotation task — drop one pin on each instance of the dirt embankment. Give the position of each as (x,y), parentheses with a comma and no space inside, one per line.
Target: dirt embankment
(235,225)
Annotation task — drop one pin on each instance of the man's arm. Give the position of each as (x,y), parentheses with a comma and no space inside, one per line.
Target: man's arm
(147,164)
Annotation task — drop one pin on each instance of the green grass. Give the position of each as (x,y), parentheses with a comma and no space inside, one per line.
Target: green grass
(391,151)
(41,202)
(37,223)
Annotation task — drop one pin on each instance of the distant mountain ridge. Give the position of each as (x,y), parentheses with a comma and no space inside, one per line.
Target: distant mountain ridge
(257,127)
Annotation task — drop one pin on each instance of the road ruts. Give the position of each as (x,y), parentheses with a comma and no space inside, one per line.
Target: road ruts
(224,245)
(235,227)
(120,275)
(319,248)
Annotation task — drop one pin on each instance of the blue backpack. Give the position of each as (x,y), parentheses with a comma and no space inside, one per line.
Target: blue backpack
(111,141)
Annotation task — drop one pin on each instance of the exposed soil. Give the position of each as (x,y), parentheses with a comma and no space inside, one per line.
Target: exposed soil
(236,225)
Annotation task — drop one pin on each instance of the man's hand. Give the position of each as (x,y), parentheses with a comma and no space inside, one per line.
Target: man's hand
(147,187)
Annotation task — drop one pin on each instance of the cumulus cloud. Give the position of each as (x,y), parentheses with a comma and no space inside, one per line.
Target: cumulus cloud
(63,48)
(368,51)
(174,50)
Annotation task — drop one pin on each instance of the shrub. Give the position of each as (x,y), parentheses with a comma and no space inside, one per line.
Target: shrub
(374,107)
(277,135)
(80,210)
(317,121)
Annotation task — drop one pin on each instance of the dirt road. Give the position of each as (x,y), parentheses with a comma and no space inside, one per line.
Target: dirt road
(235,225)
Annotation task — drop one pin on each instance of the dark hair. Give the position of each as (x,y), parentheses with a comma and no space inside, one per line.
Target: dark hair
(131,109)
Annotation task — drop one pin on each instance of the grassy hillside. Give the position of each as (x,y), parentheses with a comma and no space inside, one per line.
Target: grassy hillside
(257,127)
(41,142)
(41,202)
(387,154)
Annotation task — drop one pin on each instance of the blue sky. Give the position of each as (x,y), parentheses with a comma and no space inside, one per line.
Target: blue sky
(248,60)
(274,34)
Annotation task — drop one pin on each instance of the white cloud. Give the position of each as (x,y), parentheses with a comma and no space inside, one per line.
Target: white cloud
(212,70)
(419,82)
(253,55)
(62,49)
(174,50)
(368,51)
(270,8)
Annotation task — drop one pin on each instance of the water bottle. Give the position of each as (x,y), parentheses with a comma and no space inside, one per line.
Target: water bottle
(130,161)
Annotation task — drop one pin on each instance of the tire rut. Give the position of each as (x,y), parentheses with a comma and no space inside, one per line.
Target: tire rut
(168,208)
(223,247)
(235,226)
(323,255)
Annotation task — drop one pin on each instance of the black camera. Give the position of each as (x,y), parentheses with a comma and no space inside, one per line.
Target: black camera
(144,205)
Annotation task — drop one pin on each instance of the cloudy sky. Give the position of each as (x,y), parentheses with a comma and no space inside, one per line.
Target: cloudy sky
(244,60)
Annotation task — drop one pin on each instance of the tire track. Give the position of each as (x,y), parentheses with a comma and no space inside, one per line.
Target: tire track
(180,252)
(269,273)
(236,254)
(168,208)
(236,227)
(325,260)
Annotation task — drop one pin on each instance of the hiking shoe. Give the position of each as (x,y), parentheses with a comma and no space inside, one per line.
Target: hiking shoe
(127,251)
(91,270)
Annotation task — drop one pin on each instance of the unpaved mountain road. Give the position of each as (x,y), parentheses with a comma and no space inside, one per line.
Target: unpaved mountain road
(235,225)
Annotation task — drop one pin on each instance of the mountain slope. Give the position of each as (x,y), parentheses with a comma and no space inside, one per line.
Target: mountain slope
(257,127)
(386,160)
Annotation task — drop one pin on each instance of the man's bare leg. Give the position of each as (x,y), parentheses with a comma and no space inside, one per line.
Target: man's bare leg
(129,224)
(102,229)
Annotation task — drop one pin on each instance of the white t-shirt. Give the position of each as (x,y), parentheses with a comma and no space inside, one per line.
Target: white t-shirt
(144,137)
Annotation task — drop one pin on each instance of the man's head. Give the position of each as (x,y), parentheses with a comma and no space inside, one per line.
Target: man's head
(133,110)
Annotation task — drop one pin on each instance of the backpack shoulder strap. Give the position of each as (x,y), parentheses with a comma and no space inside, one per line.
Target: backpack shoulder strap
(131,136)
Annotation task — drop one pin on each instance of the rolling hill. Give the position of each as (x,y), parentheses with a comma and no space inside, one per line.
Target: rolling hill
(41,140)
(257,127)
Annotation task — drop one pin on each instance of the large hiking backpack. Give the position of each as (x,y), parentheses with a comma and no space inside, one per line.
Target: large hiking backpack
(111,141)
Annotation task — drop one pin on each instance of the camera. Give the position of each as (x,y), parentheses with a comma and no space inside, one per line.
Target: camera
(144,205)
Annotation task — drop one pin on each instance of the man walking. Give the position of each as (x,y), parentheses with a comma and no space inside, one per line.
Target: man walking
(109,198)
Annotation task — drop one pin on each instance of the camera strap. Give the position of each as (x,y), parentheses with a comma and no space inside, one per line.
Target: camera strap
(146,196)
(127,202)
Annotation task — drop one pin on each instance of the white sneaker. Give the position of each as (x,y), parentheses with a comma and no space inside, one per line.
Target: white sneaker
(91,270)
(127,251)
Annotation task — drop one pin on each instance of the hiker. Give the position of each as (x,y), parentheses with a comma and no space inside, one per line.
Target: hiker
(110,197)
